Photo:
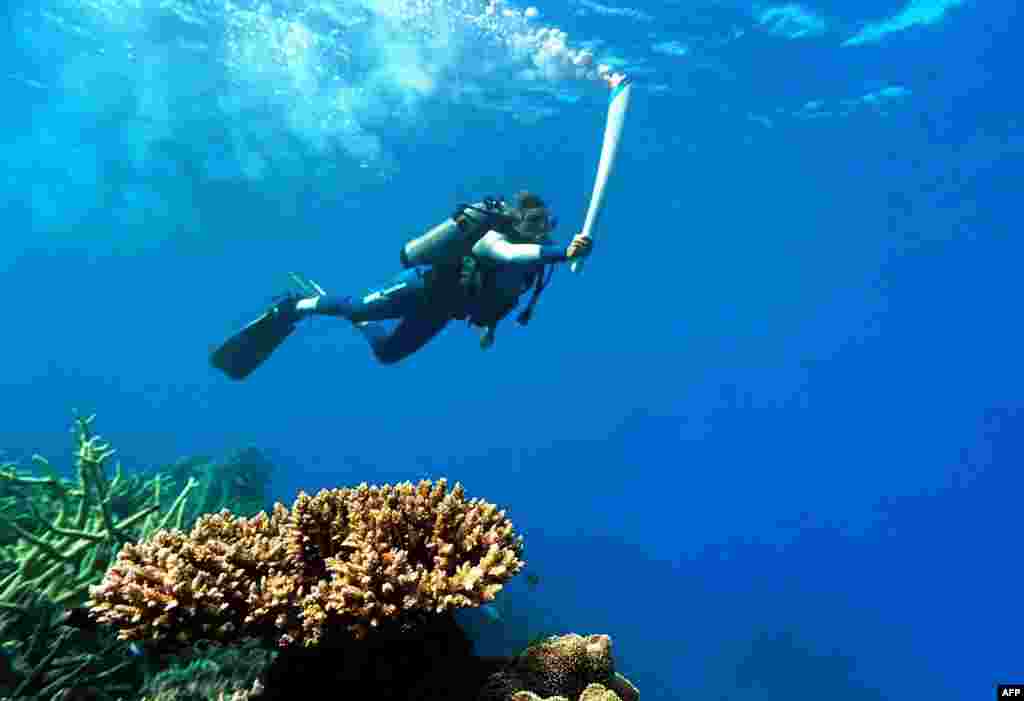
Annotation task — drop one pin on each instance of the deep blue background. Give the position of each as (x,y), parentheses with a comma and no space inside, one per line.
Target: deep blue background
(770,439)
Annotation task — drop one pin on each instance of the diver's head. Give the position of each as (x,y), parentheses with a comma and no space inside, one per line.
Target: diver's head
(533,219)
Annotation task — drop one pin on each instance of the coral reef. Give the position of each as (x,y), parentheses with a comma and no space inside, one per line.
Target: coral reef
(592,692)
(58,535)
(343,560)
(352,589)
(433,661)
(238,483)
(562,668)
(211,673)
(44,657)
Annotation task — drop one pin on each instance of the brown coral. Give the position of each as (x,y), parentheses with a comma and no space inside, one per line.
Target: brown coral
(353,558)
(598,692)
(593,692)
(562,668)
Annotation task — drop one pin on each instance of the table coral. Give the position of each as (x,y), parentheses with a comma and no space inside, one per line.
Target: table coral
(351,558)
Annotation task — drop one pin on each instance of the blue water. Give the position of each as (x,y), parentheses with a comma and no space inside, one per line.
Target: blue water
(769,442)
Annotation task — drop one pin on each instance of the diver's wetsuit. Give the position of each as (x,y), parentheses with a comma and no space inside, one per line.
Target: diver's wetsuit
(423,304)
(424,299)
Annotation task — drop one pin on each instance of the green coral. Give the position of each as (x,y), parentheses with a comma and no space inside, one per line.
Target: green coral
(238,483)
(59,535)
(43,658)
(210,673)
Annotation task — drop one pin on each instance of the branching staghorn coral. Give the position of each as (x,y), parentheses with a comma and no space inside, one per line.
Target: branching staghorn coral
(237,482)
(344,559)
(43,658)
(59,535)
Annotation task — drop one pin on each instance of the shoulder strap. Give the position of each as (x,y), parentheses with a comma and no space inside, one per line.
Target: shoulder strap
(543,278)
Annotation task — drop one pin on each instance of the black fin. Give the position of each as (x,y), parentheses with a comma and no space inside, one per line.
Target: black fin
(238,356)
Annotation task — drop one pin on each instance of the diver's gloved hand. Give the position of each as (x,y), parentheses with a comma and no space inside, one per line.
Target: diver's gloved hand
(580,247)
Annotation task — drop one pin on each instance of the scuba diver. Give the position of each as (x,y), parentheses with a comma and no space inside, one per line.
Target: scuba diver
(474,266)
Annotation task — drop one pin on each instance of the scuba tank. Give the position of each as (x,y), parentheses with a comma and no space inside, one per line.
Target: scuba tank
(453,238)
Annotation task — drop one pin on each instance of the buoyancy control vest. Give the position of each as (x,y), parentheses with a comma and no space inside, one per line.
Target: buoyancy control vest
(448,247)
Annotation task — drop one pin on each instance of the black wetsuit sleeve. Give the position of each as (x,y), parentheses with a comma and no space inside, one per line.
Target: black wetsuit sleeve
(553,253)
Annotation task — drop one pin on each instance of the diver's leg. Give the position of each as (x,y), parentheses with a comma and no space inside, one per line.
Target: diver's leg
(412,333)
(404,295)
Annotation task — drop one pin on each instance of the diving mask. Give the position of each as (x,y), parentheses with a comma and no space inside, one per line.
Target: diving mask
(536,222)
